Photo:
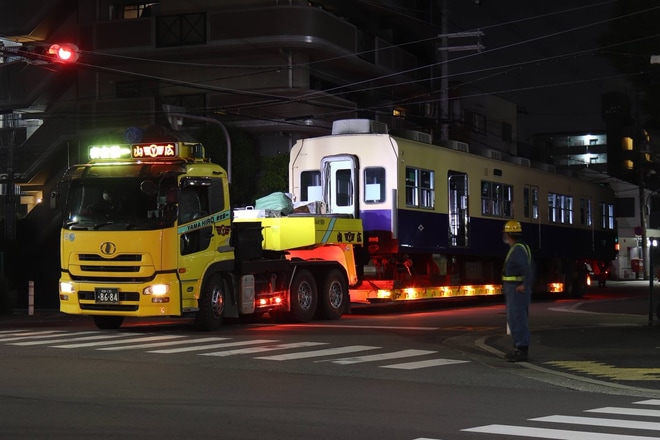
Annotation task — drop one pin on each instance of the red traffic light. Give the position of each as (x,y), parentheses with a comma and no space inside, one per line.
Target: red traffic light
(64,53)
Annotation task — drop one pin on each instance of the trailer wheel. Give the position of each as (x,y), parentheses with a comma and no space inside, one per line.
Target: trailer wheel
(211,303)
(303,297)
(334,295)
(108,322)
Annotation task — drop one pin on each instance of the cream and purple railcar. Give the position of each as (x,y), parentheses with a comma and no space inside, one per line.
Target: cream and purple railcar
(433,215)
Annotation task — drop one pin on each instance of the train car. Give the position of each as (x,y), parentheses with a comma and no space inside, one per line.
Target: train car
(433,215)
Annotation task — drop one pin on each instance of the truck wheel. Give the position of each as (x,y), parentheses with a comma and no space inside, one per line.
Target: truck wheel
(334,295)
(303,297)
(211,304)
(108,322)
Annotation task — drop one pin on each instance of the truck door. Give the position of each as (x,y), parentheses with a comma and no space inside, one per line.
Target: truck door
(340,186)
(202,227)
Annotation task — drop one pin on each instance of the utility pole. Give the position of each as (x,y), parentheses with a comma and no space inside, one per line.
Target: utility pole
(10,195)
(444,64)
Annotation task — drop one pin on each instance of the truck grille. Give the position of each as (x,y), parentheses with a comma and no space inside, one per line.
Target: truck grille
(123,257)
(120,268)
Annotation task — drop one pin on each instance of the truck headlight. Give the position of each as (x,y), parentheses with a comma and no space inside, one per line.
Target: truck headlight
(157,290)
(66,287)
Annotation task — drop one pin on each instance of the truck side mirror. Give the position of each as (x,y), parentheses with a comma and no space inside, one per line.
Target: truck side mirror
(54,196)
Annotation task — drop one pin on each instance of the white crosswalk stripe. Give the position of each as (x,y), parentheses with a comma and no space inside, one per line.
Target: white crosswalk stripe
(214,346)
(252,350)
(424,364)
(104,343)
(162,344)
(543,432)
(222,347)
(75,339)
(382,356)
(319,353)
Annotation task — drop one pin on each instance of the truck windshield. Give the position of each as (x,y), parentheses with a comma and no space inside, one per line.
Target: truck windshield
(112,203)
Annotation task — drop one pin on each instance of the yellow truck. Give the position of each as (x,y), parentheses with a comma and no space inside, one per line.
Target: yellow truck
(148,231)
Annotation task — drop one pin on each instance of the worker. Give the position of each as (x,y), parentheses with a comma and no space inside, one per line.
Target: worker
(517,279)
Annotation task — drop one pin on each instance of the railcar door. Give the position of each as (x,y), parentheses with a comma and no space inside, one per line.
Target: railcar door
(339,182)
(459,219)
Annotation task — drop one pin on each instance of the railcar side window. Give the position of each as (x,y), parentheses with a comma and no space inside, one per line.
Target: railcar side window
(607,217)
(374,185)
(412,186)
(496,199)
(310,186)
(560,208)
(420,191)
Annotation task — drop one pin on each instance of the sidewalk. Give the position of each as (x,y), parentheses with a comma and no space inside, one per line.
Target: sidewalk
(622,350)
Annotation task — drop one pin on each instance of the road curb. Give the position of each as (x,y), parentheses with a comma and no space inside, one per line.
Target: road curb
(602,386)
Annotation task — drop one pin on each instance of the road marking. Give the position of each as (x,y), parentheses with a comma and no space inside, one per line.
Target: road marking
(560,434)
(33,335)
(85,338)
(557,434)
(164,344)
(609,371)
(213,346)
(104,343)
(597,421)
(424,364)
(319,353)
(626,411)
(381,357)
(369,327)
(649,402)
(252,350)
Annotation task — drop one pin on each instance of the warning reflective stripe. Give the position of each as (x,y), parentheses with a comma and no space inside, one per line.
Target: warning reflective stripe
(331,226)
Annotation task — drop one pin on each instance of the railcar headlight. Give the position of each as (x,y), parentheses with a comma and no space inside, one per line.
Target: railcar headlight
(157,290)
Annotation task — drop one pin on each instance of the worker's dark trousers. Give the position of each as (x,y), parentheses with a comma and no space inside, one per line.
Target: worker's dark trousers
(517,311)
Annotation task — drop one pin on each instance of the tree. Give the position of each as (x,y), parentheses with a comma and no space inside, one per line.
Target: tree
(245,163)
(274,174)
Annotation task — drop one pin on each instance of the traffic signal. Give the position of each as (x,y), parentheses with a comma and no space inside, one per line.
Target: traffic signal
(63,53)
(40,53)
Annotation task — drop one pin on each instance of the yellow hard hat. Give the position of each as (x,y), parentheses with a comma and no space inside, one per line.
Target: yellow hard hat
(512,226)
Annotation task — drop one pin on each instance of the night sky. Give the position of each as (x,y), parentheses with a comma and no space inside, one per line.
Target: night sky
(542,55)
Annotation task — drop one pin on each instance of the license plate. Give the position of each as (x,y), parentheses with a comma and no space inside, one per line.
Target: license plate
(106,295)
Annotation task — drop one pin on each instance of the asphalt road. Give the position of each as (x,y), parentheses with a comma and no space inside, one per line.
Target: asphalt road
(432,372)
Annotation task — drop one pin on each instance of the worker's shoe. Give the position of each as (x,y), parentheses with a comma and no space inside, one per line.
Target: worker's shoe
(516,356)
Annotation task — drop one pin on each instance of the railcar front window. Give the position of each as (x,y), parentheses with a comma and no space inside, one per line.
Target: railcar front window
(374,185)
(310,186)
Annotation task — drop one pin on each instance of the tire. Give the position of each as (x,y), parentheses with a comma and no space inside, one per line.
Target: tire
(303,297)
(108,322)
(211,303)
(334,296)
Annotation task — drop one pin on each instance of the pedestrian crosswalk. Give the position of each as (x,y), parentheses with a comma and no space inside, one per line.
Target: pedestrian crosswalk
(623,423)
(258,349)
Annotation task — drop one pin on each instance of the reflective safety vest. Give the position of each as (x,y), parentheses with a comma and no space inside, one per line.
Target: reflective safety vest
(517,278)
